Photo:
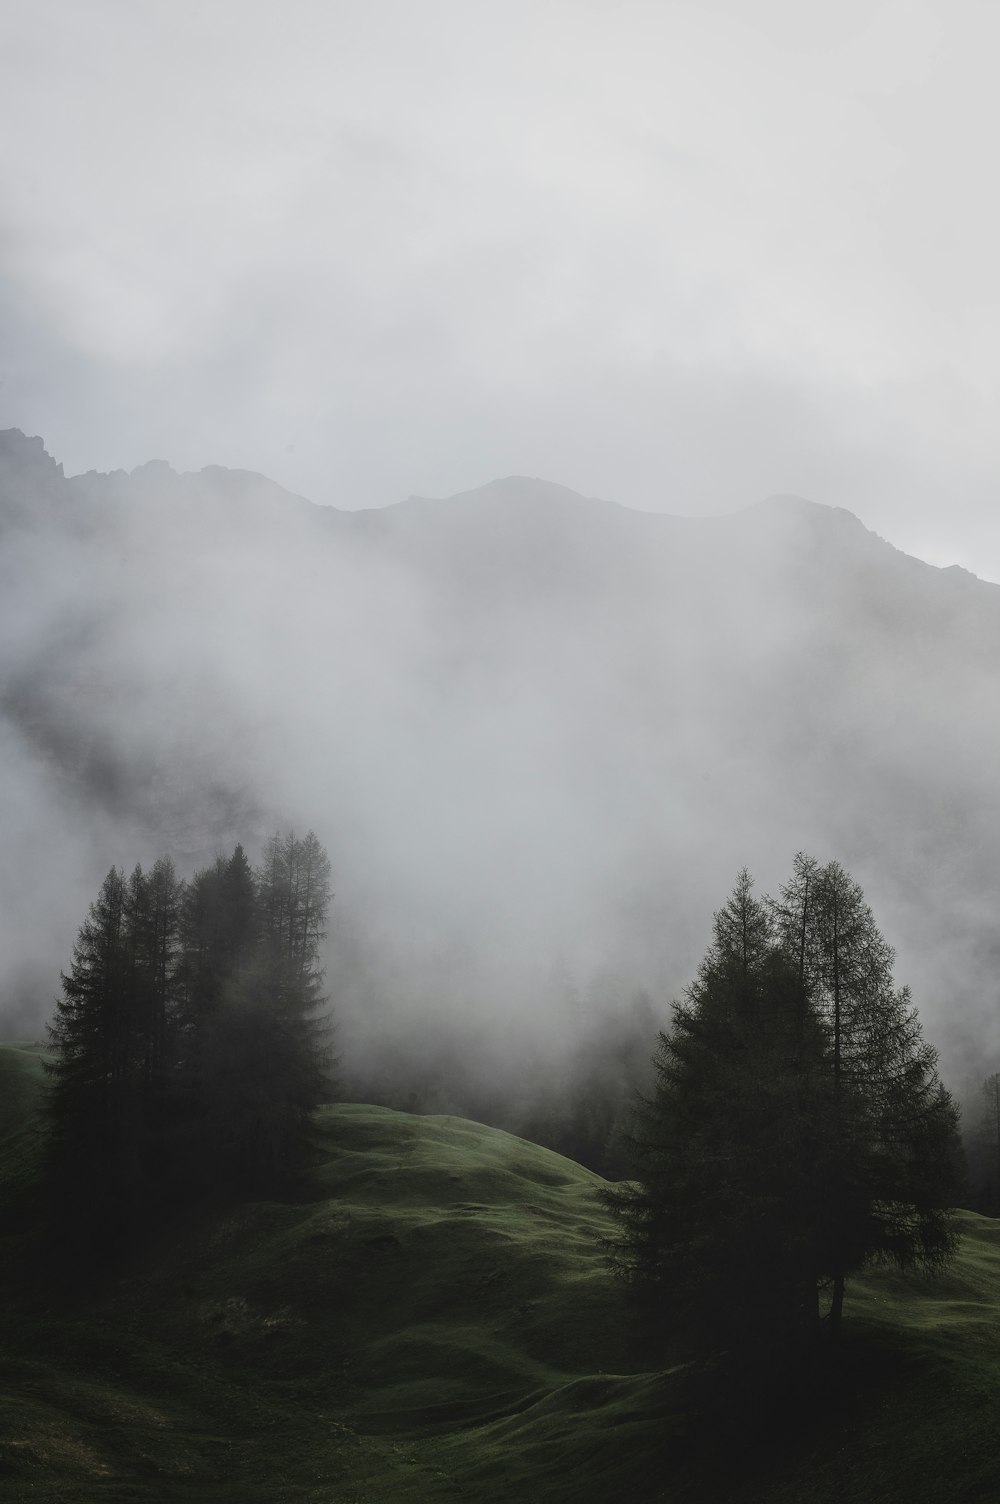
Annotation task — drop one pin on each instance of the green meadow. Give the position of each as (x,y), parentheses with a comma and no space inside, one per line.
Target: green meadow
(433,1320)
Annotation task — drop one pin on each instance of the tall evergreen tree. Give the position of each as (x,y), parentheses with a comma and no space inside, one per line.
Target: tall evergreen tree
(238,911)
(188,1048)
(95,1092)
(715,1229)
(798,1129)
(154,906)
(201,965)
(153,903)
(265,1059)
(892,1160)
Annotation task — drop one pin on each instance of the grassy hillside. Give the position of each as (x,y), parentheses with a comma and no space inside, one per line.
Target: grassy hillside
(436,1323)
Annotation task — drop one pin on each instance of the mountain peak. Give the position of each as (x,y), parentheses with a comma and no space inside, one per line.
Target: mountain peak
(153,470)
(25,452)
(515,490)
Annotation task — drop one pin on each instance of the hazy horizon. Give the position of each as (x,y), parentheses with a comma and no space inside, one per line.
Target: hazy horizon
(681,256)
(156,462)
(538,734)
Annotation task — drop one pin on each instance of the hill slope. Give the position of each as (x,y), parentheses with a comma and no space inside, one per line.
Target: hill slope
(436,1323)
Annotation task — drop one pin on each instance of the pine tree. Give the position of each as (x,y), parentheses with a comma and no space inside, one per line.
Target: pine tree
(188,1050)
(201,964)
(153,917)
(798,1129)
(93,1102)
(264,1056)
(238,916)
(166,895)
(716,1228)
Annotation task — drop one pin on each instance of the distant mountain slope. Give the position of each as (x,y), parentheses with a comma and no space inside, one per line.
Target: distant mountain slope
(538,732)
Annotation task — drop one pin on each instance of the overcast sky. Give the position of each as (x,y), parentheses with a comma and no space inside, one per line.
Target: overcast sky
(678,255)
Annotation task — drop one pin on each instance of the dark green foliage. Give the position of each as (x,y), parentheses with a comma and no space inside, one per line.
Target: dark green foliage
(893,1159)
(797,1130)
(431,1321)
(96,1085)
(263,1055)
(187,1052)
(712,1228)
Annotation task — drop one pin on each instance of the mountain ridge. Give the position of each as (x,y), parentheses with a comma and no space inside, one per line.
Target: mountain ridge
(528,728)
(30,454)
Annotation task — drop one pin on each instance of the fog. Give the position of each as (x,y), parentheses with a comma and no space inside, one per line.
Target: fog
(681,256)
(678,257)
(538,733)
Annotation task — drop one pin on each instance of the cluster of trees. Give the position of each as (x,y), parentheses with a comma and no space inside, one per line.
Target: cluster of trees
(189,1052)
(797,1129)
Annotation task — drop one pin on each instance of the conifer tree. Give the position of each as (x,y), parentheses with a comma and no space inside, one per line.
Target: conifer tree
(188,1050)
(892,1157)
(265,1059)
(798,1129)
(154,905)
(93,1103)
(715,1229)
(238,917)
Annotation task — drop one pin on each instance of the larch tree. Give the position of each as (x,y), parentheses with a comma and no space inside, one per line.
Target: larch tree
(893,1156)
(798,1129)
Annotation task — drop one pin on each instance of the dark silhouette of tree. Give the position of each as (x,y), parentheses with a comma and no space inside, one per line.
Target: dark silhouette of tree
(93,1103)
(715,1228)
(239,920)
(893,1160)
(188,1051)
(152,918)
(294,894)
(162,948)
(797,1129)
(263,1053)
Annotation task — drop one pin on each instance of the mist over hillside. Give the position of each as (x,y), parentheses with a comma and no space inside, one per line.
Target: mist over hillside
(538,734)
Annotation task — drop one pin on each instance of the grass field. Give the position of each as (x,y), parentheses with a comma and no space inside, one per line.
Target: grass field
(436,1323)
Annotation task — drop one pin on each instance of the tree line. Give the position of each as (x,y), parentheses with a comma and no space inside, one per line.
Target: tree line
(797,1130)
(189,1051)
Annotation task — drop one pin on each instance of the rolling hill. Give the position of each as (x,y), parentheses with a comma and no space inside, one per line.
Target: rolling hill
(434,1321)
